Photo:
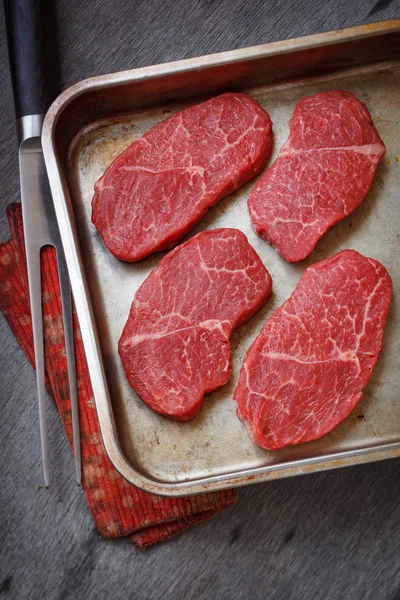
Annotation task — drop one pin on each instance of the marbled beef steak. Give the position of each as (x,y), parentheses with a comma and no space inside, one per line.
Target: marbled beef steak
(321,175)
(175,344)
(163,183)
(306,370)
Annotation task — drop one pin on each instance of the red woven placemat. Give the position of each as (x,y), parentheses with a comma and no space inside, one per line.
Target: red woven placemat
(118,508)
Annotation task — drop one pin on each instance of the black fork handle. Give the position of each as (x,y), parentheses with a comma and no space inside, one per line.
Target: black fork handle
(32,49)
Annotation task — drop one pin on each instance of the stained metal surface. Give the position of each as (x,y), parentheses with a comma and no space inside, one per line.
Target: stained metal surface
(92,122)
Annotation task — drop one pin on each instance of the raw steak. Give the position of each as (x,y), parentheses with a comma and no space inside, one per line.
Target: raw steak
(175,344)
(306,371)
(162,185)
(321,175)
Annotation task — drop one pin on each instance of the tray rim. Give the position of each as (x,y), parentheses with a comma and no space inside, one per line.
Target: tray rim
(81,292)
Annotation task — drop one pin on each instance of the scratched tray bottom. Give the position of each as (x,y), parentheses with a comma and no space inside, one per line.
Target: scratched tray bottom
(216,443)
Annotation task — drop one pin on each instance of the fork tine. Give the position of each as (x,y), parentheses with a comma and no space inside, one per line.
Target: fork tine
(35,294)
(66,299)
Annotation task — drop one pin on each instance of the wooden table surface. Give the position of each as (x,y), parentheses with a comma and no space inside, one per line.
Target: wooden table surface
(327,536)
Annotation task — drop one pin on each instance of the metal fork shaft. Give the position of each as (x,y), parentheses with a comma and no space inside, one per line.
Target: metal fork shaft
(35,295)
(41,229)
(66,299)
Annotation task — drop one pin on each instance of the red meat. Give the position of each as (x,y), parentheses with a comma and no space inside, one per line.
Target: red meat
(163,184)
(175,344)
(321,175)
(306,370)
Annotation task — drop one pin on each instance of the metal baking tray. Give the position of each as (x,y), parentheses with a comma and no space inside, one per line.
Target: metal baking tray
(93,121)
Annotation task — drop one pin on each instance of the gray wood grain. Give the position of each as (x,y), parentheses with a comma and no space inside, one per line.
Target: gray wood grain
(328,536)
